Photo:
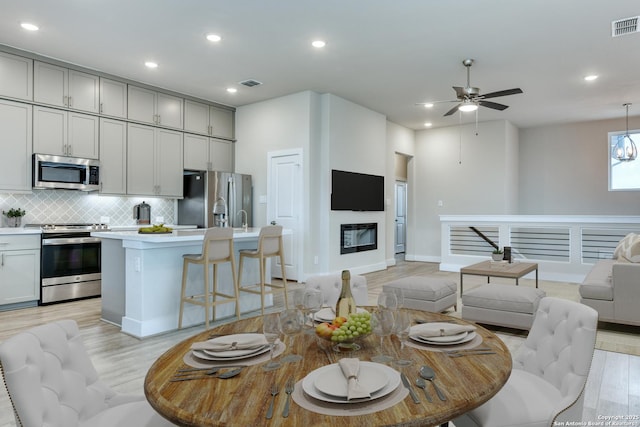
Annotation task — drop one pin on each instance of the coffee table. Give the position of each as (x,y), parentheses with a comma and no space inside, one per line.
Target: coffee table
(511,270)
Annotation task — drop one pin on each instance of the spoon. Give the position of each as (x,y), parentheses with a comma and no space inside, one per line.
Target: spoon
(423,385)
(207,374)
(428,374)
(230,374)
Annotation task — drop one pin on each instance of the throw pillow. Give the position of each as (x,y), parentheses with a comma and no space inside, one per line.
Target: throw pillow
(623,245)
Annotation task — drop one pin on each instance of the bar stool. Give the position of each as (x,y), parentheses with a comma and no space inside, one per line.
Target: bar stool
(217,248)
(269,245)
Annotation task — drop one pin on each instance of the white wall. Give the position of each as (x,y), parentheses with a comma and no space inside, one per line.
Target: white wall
(563,170)
(356,138)
(400,140)
(468,173)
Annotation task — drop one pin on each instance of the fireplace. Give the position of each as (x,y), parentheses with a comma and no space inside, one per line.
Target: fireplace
(358,237)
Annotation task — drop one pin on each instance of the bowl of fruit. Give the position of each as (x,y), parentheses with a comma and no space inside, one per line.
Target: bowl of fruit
(344,332)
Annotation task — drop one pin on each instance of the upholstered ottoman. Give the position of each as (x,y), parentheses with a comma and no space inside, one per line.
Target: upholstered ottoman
(502,305)
(427,293)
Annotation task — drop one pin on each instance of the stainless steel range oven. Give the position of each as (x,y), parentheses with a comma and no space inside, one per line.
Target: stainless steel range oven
(70,262)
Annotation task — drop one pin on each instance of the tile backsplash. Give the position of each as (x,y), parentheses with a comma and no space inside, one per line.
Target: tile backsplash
(65,206)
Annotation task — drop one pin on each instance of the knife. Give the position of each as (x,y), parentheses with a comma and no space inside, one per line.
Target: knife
(407,384)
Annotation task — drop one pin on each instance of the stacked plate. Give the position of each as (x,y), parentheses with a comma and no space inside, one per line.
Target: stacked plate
(327,314)
(328,384)
(459,338)
(237,354)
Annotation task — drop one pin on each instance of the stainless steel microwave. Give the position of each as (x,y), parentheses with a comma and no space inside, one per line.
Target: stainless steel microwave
(69,173)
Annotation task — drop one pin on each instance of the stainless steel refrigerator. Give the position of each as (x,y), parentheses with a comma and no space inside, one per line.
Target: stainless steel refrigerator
(213,199)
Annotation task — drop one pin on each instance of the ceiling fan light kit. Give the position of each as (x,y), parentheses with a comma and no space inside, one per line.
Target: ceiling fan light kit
(625,149)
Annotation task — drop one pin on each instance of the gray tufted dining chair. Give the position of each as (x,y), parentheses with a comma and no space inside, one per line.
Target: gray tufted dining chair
(550,371)
(52,382)
(331,285)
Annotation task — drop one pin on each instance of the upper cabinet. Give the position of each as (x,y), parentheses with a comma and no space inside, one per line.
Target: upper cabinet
(61,87)
(113,98)
(65,133)
(204,153)
(16,76)
(208,120)
(153,107)
(113,156)
(15,145)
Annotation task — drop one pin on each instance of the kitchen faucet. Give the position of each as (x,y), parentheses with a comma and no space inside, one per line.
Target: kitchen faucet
(246,216)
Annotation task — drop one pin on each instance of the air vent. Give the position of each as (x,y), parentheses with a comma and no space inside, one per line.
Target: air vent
(250,83)
(624,26)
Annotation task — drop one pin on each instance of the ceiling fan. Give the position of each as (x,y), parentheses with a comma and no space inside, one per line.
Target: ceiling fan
(469,98)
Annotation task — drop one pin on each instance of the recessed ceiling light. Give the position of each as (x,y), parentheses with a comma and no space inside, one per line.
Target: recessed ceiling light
(232,90)
(29,27)
(591,77)
(318,43)
(213,37)
(151,64)
(428,105)
(428,124)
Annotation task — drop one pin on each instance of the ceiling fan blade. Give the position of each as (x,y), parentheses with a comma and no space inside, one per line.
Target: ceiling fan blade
(459,91)
(493,105)
(436,102)
(453,110)
(506,92)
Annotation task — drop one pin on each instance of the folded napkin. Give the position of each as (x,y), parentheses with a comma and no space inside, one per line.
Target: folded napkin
(232,342)
(350,368)
(429,330)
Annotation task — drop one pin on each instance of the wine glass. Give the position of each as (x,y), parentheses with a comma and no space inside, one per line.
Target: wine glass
(399,297)
(387,299)
(382,324)
(291,321)
(402,326)
(271,331)
(313,300)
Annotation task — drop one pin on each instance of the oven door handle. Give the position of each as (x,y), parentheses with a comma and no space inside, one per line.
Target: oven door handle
(70,241)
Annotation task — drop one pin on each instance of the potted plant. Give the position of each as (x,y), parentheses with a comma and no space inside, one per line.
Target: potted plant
(14,217)
(497,254)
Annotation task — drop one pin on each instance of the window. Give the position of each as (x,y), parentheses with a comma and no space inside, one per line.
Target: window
(623,175)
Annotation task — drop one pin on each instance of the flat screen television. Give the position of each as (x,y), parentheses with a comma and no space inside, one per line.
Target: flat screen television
(351,191)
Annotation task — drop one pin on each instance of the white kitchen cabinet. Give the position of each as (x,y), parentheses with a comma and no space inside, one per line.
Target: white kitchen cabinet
(208,120)
(17,76)
(65,133)
(113,156)
(67,88)
(154,161)
(153,107)
(15,146)
(19,268)
(113,98)
(204,153)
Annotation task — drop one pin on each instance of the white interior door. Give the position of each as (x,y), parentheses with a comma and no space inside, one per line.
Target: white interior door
(284,206)
(401,217)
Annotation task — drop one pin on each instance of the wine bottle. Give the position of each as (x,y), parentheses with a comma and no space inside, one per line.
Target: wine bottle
(346,304)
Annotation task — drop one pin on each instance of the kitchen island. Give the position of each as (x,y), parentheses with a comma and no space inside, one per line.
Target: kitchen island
(142,275)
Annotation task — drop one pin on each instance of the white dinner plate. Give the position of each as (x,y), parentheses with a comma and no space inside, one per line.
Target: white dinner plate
(310,389)
(327,314)
(237,338)
(470,335)
(331,380)
(200,354)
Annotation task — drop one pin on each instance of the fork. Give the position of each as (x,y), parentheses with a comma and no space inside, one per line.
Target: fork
(274,393)
(288,388)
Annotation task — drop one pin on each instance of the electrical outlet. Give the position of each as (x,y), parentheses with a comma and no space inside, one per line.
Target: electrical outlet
(104,220)
(137,267)
(315,260)
(159,220)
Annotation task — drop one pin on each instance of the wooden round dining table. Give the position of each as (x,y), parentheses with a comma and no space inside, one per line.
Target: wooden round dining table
(243,400)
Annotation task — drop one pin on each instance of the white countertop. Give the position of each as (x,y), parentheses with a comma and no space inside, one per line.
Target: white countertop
(180,235)
(4,231)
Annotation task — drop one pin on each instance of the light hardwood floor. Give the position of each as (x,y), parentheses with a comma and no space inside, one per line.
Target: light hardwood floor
(122,361)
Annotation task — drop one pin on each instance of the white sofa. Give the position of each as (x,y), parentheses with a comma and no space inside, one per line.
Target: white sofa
(612,286)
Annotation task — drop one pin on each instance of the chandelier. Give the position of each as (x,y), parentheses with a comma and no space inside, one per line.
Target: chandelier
(625,149)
